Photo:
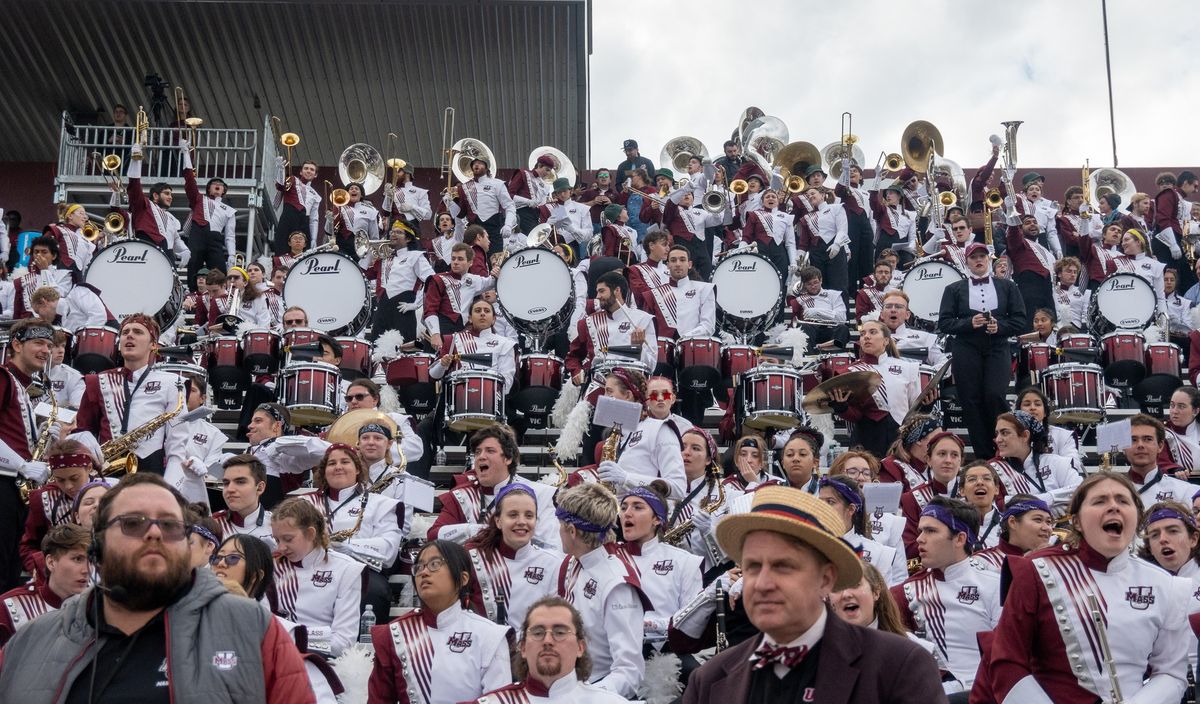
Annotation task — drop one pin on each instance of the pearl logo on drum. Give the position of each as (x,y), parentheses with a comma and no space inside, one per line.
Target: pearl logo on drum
(524,261)
(120,255)
(929,274)
(316,268)
(739,265)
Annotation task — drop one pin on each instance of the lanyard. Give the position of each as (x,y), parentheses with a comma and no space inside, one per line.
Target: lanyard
(129,398)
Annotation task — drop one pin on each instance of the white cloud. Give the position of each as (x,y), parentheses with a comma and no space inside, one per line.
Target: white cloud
(663,69)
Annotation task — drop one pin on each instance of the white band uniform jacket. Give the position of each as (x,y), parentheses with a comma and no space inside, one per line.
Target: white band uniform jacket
(567,690)
(514,578)
(321,592)
(379,536)
(670,577)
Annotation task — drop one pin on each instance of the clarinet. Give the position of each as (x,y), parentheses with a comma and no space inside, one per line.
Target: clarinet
(722,640)
(1189,694)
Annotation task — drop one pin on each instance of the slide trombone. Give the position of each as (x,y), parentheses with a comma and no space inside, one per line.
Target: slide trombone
(448,149)
(286,140)
(110,164)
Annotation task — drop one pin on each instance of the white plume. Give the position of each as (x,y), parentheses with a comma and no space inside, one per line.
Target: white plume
(823,424)
(421,523)
(570,440)
(661,683)
(387,346)
(353,668)
(873,315)
(1153,333)
(995,140)
(568,396)
(389,400)
(797,339)
(241,329)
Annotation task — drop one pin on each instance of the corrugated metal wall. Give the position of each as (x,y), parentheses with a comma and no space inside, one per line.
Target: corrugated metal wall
(336,73)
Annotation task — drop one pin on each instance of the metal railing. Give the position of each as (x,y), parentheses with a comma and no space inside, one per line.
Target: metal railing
(229,154)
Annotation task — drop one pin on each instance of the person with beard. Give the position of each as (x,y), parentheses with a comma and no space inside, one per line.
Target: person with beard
(484,200)
(1033,264)
(113,643)
(150,216)
(301,207)
(552,663)
(67,572)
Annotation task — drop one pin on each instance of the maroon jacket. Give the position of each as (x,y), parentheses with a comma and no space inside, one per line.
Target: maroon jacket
(143,214)
(48,506)
(1166,212)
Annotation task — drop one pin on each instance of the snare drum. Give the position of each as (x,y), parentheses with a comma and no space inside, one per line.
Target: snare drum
(601,369)
(541,380)
(95,349)
(738,359)
(295,337)
(1123,355)
(260,351)
(1035,358)
(183,369)
(1074,389)
(356,357)
(474,399)
(309,390)
(409,376)
(832,365)
(666,352)
(1163,358)
(771,397)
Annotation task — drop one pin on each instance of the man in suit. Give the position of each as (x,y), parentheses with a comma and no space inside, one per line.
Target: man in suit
(792,556)
(980,314)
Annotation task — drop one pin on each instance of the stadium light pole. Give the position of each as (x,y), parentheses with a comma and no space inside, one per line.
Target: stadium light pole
(1112,124)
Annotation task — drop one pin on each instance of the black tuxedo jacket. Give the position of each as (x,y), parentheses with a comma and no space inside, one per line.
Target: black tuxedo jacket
(954,317)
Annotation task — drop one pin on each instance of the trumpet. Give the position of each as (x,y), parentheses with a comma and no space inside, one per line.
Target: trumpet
(891,162)
(947,199)
(340,198)
(141,131)
(794,183)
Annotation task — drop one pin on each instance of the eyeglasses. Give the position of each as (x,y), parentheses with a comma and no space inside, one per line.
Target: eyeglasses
(660,395)
(857,472)
(293,323)
(432,566)
(559,633)
(135,526)
(355,398)
(231,560)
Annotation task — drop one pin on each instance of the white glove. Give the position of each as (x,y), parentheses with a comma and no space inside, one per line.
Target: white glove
(280,162)
(1167,237)
(505,231)
(35,471)
(185,146)
(703,520)
(656,626)
(405,307)
(1010,174)
(135,150)
(834,250)
(611,472)
(195,466)
(389,190)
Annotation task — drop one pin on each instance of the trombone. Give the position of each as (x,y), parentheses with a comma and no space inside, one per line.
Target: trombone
(111,165)
(448,149)
(287,140)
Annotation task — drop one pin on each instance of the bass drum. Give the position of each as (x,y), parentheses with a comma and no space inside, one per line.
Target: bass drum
(1124,301)
(748,292)
(331,288)
(924,284)
(535,291)
(136,277)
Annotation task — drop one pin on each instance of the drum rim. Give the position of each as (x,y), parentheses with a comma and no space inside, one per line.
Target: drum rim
(323,366)
(474,374)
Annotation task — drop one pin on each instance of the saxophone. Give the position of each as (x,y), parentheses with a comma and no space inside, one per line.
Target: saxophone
(26,486)
(679,533)
(389,476)
(609,452)
(118,452)
(343,535)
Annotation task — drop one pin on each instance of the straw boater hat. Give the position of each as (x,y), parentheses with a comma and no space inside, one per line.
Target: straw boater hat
(791,512)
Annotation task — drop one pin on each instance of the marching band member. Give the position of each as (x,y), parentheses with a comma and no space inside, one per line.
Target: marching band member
(1153,483)
(405,202)
(1171,210)
(688,223)
(1030,202)
(449,293)
(1044,321)
(243,482)
(374,445)
(870,605)
(895,313)
(75,250)
(907,460)
(296,244)
(439,652)
(553,664)
(509,570)
(877,419)
(1139,214)
(466,506)
(1025,465)
(401,283)
(825,306)
(43,273)
(669,576)
(1079,215)
(660,397)
(1070,300)
(951,599)
(317,587)
(614,324)
(1172,541)
(530,190)
(860,225)
(71,467)
(484,200)
(748,471)
(1133,243)
(65,379)
(701,464)
(1102,257)
(67,572)
(1181,421)
(683,307)
(301,207)
(1062,442)
(981,314)
(952,249)
(845,497)
(602,194)
(364,393)
(601,581)
(648,452)
(1178,310)
(87,502)
(1025,525)
(449,233)
(861,466)
(652,271)
(831,246)
(122,400)
(571,220)
(477,238)
(358,215)
(79,308)
(871,289)
(800,458)
(978,485)
(253,312)
(1033,264)
(1051,604)
(476,338)
(210,237)
(150,217)
(365,526)
(773,230)
(896,223)
(290,455)
(945,463)
(617,239)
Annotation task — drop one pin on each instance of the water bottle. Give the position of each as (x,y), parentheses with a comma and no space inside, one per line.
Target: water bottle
(365,623)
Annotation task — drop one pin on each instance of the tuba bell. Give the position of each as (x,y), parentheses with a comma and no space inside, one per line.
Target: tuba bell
(714,201)
(1105,181)
(920,140)
(677,152)
(764,139)
(540,235)
(793,160)
(833,153)
(361,164)
(464,152)
(563,168)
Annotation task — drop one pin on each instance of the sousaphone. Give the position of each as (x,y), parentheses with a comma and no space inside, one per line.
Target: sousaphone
(1104,181)
(833,153)
(362,163)
(795,158)
(563,168)
(918,142)
(677,152)
(467,150)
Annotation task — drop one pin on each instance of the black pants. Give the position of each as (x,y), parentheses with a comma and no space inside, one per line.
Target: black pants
(875,436)
(887,241)
(290,220)
(834,271)
(838,334)
(273,494)
(377,594)
(981,378)
(862,249)
(154,463)
(1036,292)
(493,225)
(389,317)
(12,524)
(700,253)
(208,250)
(528,218)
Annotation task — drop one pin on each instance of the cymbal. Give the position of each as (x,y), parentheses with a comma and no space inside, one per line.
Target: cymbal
(935,382)
(860,384)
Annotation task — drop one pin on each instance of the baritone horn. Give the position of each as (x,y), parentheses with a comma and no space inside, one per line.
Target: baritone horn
(1010,142)
(739,186)
(992,199)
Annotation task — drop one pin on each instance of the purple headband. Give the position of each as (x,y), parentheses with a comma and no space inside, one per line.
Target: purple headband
(944,515)
(627,379)
(1021,508)
(205,533)
(85,489)
(586,526)
(654,501)
(1167,513)
(514,488)
(1196,495)
(851,496)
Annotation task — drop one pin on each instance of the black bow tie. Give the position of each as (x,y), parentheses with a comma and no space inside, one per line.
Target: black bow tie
(980,282)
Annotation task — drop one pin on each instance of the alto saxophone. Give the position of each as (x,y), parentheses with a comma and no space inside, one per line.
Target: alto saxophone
(343,535)
(389,476)
(26,486)
(119,457)
(679,533)
(609,452)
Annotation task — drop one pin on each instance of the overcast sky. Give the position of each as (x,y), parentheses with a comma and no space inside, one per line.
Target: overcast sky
(664,69)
